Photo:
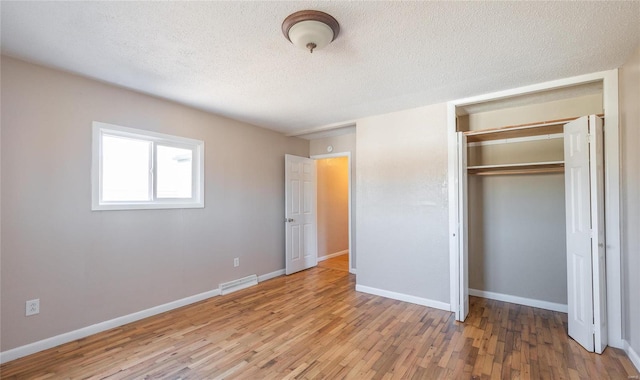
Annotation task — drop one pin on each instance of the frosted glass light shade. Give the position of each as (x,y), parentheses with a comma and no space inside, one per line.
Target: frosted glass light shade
(305,33)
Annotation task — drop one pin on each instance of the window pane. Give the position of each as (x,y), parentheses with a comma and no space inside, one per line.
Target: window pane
(125,169)
(174,172)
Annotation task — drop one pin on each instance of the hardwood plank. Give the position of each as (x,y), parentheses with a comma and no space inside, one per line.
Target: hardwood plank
(313,325)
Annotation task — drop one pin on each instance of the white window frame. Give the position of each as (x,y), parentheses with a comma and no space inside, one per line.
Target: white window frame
(196,146)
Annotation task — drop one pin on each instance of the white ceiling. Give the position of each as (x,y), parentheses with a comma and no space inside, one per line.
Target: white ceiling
(231,58)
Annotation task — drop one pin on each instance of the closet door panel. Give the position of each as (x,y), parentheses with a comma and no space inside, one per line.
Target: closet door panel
(464,237)
(596,163)
(578,214)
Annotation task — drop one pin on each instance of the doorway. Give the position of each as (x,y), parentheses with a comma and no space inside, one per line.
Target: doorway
(334,209)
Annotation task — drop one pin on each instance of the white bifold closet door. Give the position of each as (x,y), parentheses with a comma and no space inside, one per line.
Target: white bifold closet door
(584,196)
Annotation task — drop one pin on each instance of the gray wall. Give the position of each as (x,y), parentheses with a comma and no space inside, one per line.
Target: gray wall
(630,198)
(517,152)
(517,236)
(87,267)
(402,205)
(341,144)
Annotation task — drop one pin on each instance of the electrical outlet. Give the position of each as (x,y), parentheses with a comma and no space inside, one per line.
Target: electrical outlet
(236,262)
(33,307)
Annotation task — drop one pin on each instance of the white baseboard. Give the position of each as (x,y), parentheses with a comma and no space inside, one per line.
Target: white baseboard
(84,332)
(70,336)
(404,297)
(336,254)
(271,275)
(519,300)
(632,354)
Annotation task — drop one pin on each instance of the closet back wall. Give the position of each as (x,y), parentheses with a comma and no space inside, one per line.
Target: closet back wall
(517,236)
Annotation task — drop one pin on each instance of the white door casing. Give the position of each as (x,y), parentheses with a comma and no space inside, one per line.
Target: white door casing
(585,232)
(300,214)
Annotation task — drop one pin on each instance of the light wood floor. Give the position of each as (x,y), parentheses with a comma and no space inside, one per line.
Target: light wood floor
(314,325)
(339,263)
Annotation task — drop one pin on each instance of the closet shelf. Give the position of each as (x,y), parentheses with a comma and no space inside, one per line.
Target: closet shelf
(524,168)
(517,131)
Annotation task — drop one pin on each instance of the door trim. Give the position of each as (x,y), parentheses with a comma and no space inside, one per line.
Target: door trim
(348,155)
(612,189)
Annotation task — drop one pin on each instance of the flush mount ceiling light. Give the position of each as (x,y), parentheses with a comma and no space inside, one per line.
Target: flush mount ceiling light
(310,29)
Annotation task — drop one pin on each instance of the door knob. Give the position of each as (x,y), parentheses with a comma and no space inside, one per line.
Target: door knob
(288,220)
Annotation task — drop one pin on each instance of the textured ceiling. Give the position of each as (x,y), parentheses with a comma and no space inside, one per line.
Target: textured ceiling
(231,58)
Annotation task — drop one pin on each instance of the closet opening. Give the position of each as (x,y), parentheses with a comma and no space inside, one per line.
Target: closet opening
(516,212)
(508,206)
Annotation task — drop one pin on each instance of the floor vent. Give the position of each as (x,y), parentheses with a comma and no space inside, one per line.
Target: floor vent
(241,283)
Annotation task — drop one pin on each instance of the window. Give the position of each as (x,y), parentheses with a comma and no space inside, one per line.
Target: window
(136,169)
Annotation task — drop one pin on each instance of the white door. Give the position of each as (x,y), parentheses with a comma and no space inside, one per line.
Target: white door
(463,309)
(585,231)
(300,214)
